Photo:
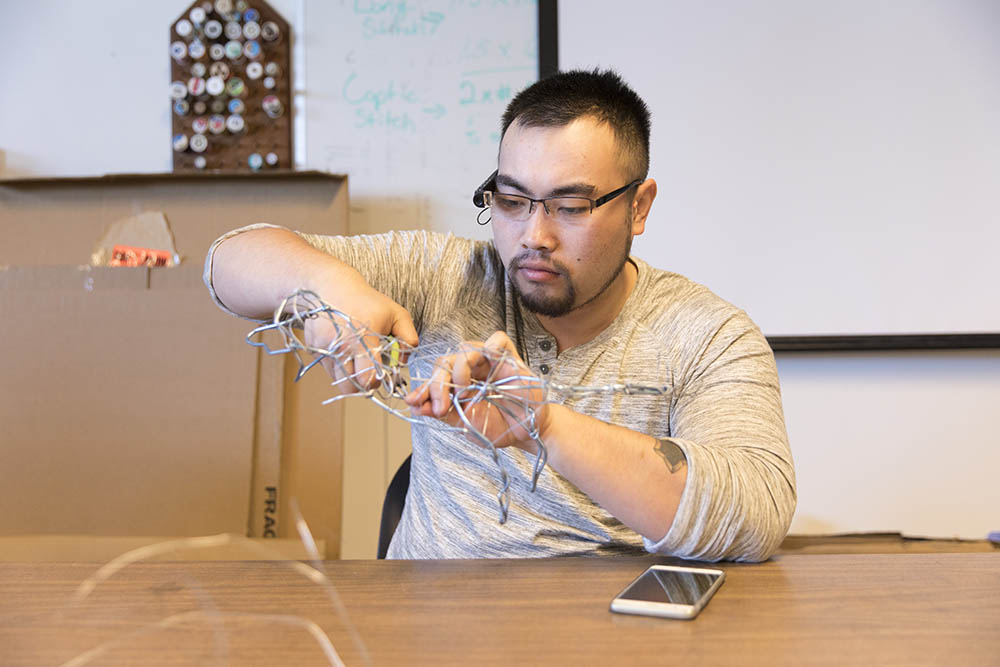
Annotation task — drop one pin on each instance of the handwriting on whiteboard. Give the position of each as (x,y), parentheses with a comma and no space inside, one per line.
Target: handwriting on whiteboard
(406,97)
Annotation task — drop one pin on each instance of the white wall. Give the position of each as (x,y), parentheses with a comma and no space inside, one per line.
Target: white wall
(84,86)
(897,441)
(900,441)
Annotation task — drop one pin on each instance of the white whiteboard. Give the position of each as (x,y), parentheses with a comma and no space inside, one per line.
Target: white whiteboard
(831,167)
(406,98)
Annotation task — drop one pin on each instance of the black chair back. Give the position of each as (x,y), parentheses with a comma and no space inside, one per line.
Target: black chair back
(392,507)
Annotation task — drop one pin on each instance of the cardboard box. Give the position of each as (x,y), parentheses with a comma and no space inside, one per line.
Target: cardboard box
(129,404)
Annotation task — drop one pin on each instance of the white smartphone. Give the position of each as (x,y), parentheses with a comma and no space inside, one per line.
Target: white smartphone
(671,591)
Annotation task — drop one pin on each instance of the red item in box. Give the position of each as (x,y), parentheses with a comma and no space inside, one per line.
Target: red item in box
(124,255)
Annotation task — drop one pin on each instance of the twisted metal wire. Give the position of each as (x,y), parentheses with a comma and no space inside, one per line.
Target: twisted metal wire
(394,367)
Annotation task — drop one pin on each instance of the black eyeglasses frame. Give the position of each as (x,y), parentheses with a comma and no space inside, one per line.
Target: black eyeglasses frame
(490,184)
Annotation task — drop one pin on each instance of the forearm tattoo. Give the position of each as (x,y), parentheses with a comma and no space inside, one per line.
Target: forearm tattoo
(671,454)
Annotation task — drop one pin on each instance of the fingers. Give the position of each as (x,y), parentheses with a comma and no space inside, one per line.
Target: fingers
(403,329)
(470,364)
(440,387)
(452,374)
(349,353)
(351,368)
(433,397)
(503,351)
(500,342)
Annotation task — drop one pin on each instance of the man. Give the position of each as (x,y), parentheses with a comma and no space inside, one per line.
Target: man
(703,471)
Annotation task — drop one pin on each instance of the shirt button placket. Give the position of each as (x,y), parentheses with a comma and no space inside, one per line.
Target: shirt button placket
(545,345)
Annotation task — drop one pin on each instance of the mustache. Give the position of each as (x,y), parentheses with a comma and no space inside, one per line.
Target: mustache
(539,258)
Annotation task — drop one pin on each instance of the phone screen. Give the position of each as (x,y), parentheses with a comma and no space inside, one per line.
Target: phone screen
(670,586)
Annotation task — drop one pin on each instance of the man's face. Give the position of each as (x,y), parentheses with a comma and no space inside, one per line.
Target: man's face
(557,268)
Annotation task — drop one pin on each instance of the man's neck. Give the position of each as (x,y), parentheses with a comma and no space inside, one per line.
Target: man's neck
(584,324)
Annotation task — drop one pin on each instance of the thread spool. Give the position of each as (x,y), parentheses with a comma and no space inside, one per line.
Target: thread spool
(235,124)
(178,51)
(270,31)
(252,50)
(199,143)
(196,49)
(213,29)
(217,124)
(234,49)
(215,86)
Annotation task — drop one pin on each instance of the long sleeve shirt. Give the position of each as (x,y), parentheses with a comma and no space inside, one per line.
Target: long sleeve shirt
(720,404)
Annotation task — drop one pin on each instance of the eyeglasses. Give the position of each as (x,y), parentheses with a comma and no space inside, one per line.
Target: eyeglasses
(518,208)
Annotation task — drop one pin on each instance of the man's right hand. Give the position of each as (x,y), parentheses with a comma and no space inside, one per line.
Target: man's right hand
(355,348)
(254,271)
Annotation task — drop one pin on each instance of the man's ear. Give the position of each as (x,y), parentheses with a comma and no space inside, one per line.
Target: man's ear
(641,203)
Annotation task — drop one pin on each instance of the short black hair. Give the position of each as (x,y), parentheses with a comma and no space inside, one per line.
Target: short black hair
(602,94)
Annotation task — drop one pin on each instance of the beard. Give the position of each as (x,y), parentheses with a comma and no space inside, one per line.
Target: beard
(540,303)
(564,301)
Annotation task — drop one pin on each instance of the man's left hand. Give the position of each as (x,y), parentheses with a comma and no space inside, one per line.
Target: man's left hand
(497,392)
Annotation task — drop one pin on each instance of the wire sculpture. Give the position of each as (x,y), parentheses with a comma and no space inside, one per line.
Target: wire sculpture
(390,369)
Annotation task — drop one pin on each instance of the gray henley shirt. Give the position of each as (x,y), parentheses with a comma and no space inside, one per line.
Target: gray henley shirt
(722,408)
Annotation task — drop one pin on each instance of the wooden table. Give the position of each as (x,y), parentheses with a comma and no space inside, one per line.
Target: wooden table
(913,609)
